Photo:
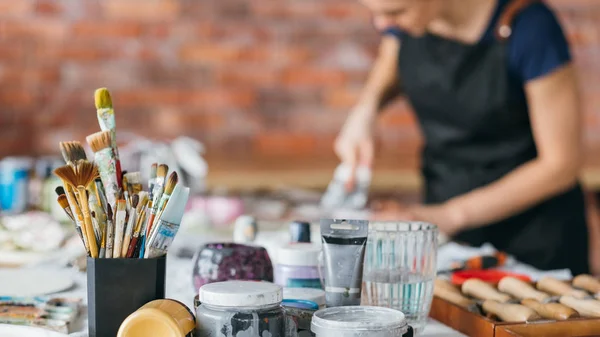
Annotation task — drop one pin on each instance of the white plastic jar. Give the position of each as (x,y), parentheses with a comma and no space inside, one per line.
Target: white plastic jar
(358,321)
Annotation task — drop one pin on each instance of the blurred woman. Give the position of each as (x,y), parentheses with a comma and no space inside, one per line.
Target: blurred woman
(495,94)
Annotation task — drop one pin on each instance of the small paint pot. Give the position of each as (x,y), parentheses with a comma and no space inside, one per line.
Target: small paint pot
(165,318)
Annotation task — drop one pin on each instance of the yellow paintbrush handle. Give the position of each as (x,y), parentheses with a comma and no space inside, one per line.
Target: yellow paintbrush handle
(87,222)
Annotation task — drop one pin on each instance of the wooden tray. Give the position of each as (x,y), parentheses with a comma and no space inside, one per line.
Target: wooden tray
(472,324)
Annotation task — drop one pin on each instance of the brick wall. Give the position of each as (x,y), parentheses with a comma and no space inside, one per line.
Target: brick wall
(245,76)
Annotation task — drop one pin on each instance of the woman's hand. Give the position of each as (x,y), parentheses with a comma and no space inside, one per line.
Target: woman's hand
(354,145)
(445,216)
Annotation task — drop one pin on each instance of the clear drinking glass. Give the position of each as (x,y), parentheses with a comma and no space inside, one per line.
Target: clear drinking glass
(400,267)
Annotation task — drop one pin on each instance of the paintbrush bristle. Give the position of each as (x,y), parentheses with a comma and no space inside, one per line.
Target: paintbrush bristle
(134,178)
(153,169)
(135,200)
(162,170)
(63,201)
(59,190)
(125,183)
(102,99)
(99,140)
(143,200)
(171,182)
(72,151)
(81,175)
(121,205)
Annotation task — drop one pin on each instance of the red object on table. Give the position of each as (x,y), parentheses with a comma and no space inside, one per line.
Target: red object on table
(491,276)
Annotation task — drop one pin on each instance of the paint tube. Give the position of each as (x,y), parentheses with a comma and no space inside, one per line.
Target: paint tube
(344,244)
(168,225)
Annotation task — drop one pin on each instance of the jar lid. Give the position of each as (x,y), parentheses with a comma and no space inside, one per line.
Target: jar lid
(299,254)
(308,294)
(149,322)
(241,294)
(328,322)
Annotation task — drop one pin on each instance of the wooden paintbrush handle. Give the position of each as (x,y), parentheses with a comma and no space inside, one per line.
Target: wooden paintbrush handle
(484,291)
(588,283)
(445,284)
(589,307)
(87,222)
(556,287)
(555,311)
(520,289)
(510,312)
(453,296)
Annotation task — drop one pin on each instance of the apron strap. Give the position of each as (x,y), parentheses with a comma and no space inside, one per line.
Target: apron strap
(504,27)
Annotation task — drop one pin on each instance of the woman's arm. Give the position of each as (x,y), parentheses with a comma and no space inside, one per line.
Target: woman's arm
(354,144)
(556,124)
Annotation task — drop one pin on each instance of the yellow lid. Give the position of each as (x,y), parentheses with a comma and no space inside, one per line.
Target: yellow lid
(150,322)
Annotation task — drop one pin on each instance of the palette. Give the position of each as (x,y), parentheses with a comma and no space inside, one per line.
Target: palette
(33,282)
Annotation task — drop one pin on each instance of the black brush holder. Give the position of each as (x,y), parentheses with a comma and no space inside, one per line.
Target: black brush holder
(118,287)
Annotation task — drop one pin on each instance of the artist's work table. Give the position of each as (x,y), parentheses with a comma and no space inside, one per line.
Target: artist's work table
(179,287)
(391,172)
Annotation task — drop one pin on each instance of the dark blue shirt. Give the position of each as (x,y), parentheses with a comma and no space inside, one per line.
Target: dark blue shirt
(537,46)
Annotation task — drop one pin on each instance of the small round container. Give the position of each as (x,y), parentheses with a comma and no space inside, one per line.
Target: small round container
(298,266)
(241,309)
(300,232)
(165,318)
(305,294)
(355,321)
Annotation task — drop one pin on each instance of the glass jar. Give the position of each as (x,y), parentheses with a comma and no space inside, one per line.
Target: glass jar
(298,266)
(242,309)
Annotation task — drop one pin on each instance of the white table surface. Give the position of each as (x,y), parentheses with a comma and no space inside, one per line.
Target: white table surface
(179,287)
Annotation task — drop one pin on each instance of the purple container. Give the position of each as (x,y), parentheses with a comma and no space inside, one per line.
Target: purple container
(219,262)
(298,266)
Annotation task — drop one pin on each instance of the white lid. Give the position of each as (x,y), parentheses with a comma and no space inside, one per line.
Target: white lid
(240,294)
(299,254)
(307,294)
(327,322)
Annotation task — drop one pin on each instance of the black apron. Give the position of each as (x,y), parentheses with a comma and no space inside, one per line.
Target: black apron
(476,131)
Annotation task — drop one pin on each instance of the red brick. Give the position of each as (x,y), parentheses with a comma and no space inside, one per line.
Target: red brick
(106,29)
(247,77)
(13,9)
(48,7)
(224,54)
(283,143)
(313,77)
(86,52)
(40,29)
(342,98)
(154,10)
(12,98)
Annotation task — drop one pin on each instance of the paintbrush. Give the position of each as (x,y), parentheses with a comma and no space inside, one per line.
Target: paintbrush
(137,203)
(169,187)
(110,232)
(161,174)
(152,179)
(97,230)
(72,152)
(138,229)
(168,226)
(106,119)
(75,209)
(125,191)
(104,156)
(79,179)
(59,190)
(64,204)
(119,227)
(134,179)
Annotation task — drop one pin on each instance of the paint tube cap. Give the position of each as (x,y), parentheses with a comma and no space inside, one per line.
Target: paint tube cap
(299,254)
(358,320)
(241,294)
(307,294)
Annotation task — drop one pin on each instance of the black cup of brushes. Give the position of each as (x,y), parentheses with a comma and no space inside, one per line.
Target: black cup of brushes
(118,287)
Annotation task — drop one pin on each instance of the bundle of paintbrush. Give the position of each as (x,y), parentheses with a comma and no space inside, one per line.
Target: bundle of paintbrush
(113,214)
